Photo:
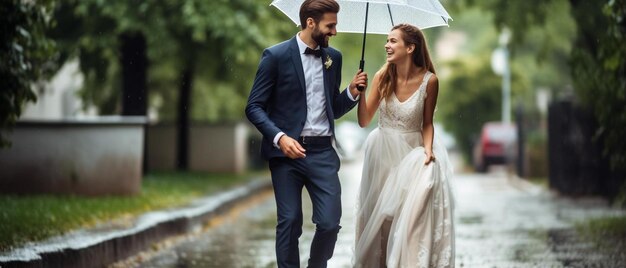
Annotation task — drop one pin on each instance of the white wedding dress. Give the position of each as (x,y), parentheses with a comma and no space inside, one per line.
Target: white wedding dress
(401,196)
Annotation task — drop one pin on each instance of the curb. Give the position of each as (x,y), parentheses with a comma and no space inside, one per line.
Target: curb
(104,245)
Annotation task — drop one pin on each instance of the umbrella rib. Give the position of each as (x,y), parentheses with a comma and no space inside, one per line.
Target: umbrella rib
(390,16)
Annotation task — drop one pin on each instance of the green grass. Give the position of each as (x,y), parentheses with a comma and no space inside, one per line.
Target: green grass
(33,218)
(603,229)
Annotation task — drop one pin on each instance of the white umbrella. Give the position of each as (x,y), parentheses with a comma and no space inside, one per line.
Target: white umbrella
(376,16)
(383,14)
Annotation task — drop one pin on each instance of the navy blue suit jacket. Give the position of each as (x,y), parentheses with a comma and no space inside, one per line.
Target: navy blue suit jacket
(277,101)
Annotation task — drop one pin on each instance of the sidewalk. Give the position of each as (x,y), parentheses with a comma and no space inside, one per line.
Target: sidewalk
(116,240)
(504,221)
(500,221)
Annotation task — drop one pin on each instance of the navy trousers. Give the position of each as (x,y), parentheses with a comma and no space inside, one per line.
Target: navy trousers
(318,173)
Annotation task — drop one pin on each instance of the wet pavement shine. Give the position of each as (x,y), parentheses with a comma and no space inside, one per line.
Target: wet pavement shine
(500,222)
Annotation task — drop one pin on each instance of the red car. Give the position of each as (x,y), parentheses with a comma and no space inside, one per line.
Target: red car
(497,145)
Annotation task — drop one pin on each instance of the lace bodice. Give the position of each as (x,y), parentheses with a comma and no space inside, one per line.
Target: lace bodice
(404,116)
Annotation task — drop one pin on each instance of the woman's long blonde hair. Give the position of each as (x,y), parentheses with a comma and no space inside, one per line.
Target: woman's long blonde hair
(421,58)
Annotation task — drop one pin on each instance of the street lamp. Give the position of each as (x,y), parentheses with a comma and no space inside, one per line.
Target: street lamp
(500,65)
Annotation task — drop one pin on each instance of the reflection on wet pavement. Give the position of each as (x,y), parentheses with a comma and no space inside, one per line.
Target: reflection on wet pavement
(244,238)
(500,222)
(505,222)
(247,238)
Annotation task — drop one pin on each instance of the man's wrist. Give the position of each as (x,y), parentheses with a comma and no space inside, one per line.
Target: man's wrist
(353,94)
(277,139)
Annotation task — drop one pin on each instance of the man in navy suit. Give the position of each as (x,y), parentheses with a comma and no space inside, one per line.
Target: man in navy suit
(294,101)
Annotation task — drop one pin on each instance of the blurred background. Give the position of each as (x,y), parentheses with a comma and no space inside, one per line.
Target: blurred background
(536,87)
(189,64)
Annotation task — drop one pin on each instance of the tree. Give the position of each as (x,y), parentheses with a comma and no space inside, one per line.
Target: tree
(112,42)
(470,97)
(163,45)
(24,53)
(468,102)
(599,68)
(470,92)
(597,58)
(227,33)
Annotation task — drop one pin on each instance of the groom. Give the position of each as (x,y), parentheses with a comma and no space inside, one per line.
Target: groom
(293,103)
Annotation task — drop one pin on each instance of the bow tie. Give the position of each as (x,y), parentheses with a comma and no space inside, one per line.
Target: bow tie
(314,52)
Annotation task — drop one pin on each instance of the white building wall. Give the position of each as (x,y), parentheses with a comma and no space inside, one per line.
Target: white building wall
(59,99)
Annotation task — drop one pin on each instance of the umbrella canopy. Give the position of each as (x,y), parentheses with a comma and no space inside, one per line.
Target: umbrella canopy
(376,16)
(382,15)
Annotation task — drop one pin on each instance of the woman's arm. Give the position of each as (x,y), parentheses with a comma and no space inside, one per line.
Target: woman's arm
(367,107)
(428,131)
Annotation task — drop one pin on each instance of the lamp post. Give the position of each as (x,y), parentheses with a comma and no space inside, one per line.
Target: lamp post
(500,65)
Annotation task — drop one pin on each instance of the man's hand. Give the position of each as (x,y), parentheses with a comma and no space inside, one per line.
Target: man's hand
(291,148)
(360,79)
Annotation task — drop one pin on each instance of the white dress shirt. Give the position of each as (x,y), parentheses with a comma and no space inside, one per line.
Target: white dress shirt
(316,120)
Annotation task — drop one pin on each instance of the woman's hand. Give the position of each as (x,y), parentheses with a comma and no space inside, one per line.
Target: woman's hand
(360,79)
(429,157)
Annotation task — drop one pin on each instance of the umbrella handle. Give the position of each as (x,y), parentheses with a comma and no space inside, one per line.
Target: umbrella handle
(361,65)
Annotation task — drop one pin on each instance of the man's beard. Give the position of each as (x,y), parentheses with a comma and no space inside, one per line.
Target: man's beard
(319,38)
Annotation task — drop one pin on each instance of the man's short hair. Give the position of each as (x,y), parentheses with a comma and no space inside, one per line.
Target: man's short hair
(315,9)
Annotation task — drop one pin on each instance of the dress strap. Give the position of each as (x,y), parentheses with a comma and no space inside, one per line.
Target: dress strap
(426,78)
(424,83)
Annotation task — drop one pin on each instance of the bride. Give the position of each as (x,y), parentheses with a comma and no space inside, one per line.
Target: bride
(404,218)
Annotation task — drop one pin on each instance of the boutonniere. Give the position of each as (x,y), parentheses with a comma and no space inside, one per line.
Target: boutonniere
(328,62)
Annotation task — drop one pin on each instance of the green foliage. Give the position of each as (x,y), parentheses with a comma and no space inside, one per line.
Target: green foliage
(597,58)
(544,51)
(86,31)
(24,54)
(517,15)
(599,67)
(220,40)
(470,92)
(227,60)
(32,218)
(470,97)
(542,34)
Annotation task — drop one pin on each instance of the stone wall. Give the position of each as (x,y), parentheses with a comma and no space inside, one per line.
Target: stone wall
(97,156)
(212,148)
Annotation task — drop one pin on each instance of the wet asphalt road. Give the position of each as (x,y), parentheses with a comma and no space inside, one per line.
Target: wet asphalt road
(500,222)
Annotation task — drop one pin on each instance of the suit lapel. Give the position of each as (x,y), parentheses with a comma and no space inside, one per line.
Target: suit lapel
(326,73)
(328,90)
(297,62)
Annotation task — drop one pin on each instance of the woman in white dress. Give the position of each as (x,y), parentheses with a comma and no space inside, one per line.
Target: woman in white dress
(404,217)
